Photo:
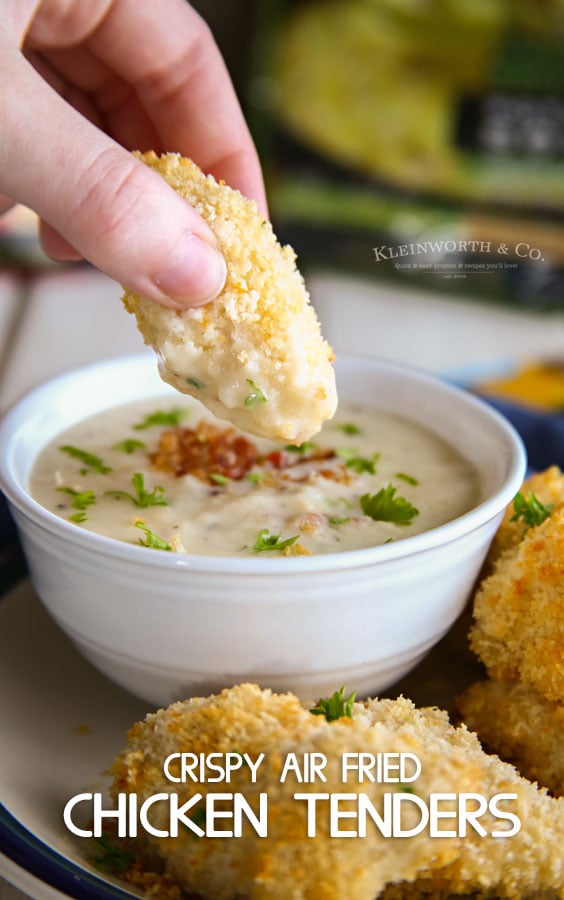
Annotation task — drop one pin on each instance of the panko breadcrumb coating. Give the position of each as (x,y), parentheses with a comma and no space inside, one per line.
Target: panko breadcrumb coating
(521,726)
(287,865)
(519,610)
(548,487)
(254,355)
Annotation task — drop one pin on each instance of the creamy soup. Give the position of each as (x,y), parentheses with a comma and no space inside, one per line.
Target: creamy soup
(171,477)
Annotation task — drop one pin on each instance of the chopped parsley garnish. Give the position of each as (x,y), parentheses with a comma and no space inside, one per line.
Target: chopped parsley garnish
(255,477)
(409,479)
(530,510)
(386,507)
(255,396)
(110,857)
(144,498)
(219,479)
(195,382)
(339,520)
(78,517)
(80,499)
(349,428)
(89,459)
(336,706)
(360,464)
(130,445)
(405,789)
(240,755)
(198,817)
(170,418)
(152,539)
(300,448)
(267,541)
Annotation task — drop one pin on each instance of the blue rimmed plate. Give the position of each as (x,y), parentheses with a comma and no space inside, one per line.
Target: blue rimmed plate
(62,724)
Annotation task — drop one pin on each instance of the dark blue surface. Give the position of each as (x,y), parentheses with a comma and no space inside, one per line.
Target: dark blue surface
(7,527)
(542,433)
(31,854)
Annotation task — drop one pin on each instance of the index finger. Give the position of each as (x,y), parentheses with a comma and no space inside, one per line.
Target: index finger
(167,53)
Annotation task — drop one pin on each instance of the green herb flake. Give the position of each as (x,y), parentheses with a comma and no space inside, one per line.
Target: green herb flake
(409,479)
(255,477)
(360,464)
(129,446)
(195,382)
(78,517)
(152,540)
(336,706)
(300,448)
(89,459)
(339,520)
(405,789)
(80,499)
(240,755)
(255,397)
(110,857)
(349,428)
(143,497)
(386,507)
(530,510)
(161,418)
(219,479)
(267,541)
(198,817)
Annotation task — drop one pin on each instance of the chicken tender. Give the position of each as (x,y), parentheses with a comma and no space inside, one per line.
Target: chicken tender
(548,487)
(519,610)
(287,865)
(521,726)
(255,355)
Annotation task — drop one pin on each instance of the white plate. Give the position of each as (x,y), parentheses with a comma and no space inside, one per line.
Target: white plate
(62,723)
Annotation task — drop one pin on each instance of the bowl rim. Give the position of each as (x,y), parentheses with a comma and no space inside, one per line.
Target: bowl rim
(98,544)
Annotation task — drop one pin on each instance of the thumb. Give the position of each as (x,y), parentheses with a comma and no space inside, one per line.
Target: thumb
(114,210)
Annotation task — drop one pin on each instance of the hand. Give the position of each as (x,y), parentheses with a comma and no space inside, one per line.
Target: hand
(94,81)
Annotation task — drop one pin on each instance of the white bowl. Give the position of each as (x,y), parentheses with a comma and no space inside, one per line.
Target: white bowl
(167,626)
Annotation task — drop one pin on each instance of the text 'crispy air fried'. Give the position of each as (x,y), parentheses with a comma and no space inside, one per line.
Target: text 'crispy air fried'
(286,864)
(254,355)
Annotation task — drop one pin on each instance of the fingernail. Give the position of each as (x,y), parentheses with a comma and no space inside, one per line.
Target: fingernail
(195,274)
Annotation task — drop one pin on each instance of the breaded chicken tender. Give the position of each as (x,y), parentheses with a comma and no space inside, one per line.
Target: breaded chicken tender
(521,726)
(519,610)
(289,865)
(254,355)
(548,487)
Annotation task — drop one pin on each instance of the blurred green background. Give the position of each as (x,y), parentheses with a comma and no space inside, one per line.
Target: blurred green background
(386,122)
(391,123)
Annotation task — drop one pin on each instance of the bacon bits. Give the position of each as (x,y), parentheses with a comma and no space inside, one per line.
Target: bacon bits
(205,451)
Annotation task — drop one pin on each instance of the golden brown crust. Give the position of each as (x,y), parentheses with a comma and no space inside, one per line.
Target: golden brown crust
(519,610)
(260,332)
(548,487)
(288,866)
(521,726)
